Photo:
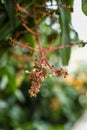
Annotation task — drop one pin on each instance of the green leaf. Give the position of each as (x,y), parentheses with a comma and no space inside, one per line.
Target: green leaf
(29,38)
(2,18)
(11,12)
(4,31)
(69,2)
(59,127)
(84,6)
(65,39)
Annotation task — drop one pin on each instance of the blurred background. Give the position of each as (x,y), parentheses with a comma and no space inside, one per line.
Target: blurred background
(61,101)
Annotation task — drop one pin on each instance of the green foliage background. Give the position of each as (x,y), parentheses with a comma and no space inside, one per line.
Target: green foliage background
(56,107)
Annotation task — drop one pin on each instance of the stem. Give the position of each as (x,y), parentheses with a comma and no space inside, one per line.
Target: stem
(49,47)
(60,5)
(40,45)
(15,42)
(28,29)
(19,33)
(18,7)
(51,68)
(60,47)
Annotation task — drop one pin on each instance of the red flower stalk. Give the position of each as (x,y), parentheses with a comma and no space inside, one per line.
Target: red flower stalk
(42,68)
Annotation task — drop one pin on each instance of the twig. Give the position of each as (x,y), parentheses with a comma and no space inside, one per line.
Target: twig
(50,67)
(19,8)
(38,41)
(29,30)
(15,42)
(60,47)
(20,33)
(49,47)
(61,5)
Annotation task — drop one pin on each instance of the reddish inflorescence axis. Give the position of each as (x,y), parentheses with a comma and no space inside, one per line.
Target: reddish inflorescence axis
(41,68)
